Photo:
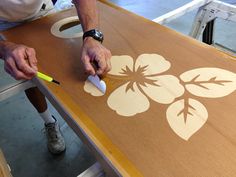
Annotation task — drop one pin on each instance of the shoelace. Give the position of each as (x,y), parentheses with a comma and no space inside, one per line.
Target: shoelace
(52,133)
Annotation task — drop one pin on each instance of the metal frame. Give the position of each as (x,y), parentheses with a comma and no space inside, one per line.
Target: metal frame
(208,13)
(15,88)
(94,171)
(181,11)
(203,25)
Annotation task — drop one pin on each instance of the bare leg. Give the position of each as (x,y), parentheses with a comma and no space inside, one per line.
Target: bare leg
(56,143)
(37,99)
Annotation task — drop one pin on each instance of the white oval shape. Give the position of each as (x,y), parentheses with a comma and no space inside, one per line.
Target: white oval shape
(55,29)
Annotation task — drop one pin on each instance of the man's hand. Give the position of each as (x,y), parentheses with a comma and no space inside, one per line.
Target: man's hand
(20,60)
(94,52)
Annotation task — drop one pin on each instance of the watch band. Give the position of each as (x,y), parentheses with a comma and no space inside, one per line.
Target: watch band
(95,34)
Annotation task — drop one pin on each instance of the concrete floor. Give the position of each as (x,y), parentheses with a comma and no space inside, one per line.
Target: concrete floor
(22,138)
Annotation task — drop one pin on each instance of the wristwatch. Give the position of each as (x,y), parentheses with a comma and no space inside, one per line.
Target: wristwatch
(95,34)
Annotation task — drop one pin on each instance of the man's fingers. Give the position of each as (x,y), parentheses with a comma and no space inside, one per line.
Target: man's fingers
(87,65)
(10,67)
(108,61)
(108,68)
(20,61)
(31,56)
(7,69)
(96,52)
(102,64)
(23,65)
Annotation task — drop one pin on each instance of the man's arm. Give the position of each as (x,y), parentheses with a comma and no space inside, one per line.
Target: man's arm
(87,12)
(92,50)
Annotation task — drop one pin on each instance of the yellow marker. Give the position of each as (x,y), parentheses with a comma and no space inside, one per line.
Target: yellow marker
(46,78)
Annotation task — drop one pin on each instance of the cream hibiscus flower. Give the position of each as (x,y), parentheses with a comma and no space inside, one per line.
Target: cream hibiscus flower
(144,82)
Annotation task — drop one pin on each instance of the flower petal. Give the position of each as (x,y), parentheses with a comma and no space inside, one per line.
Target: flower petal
(154,63)
(90,88)
(165,90)
(128,102)
(119,64)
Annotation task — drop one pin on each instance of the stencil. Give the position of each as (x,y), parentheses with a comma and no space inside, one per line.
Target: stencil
(145,81)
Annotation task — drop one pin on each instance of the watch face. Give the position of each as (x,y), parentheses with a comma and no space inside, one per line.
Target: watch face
(98,35)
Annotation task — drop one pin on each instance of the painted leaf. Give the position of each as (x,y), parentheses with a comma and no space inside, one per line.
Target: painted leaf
(186,117)
(209,82)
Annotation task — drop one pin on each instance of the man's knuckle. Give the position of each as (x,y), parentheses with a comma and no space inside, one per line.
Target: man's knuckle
(83,59)
(99,56)
(21,66)
(8,61)
(109,53)
(15,52)
(31,50)
(17,77)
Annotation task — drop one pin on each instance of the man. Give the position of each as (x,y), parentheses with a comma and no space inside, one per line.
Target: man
(21,63)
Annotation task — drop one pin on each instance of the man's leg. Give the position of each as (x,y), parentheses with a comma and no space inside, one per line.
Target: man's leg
(37,99)
(56,143)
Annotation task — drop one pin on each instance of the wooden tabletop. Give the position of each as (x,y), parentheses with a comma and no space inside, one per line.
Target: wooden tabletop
(169,108)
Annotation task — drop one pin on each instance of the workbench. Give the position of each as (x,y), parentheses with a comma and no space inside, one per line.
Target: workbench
(169,108)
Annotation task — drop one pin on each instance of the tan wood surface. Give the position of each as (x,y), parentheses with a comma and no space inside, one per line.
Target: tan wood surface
(4,170)
(144,144)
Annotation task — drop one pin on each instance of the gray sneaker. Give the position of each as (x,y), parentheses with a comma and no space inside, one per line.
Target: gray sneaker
(56,143)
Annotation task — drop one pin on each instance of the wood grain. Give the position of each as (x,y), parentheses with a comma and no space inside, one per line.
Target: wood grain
(144,144)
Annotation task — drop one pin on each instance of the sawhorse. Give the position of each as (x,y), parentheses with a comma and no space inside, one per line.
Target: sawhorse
(203,25)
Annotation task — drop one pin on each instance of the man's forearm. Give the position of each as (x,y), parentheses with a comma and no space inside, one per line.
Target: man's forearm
(87,12)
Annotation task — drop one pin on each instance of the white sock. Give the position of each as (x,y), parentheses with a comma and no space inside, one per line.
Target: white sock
(47,117)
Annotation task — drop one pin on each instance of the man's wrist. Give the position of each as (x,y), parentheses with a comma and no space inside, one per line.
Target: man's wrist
(3,48)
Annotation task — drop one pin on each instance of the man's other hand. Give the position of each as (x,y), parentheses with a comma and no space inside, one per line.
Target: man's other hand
(94,52)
